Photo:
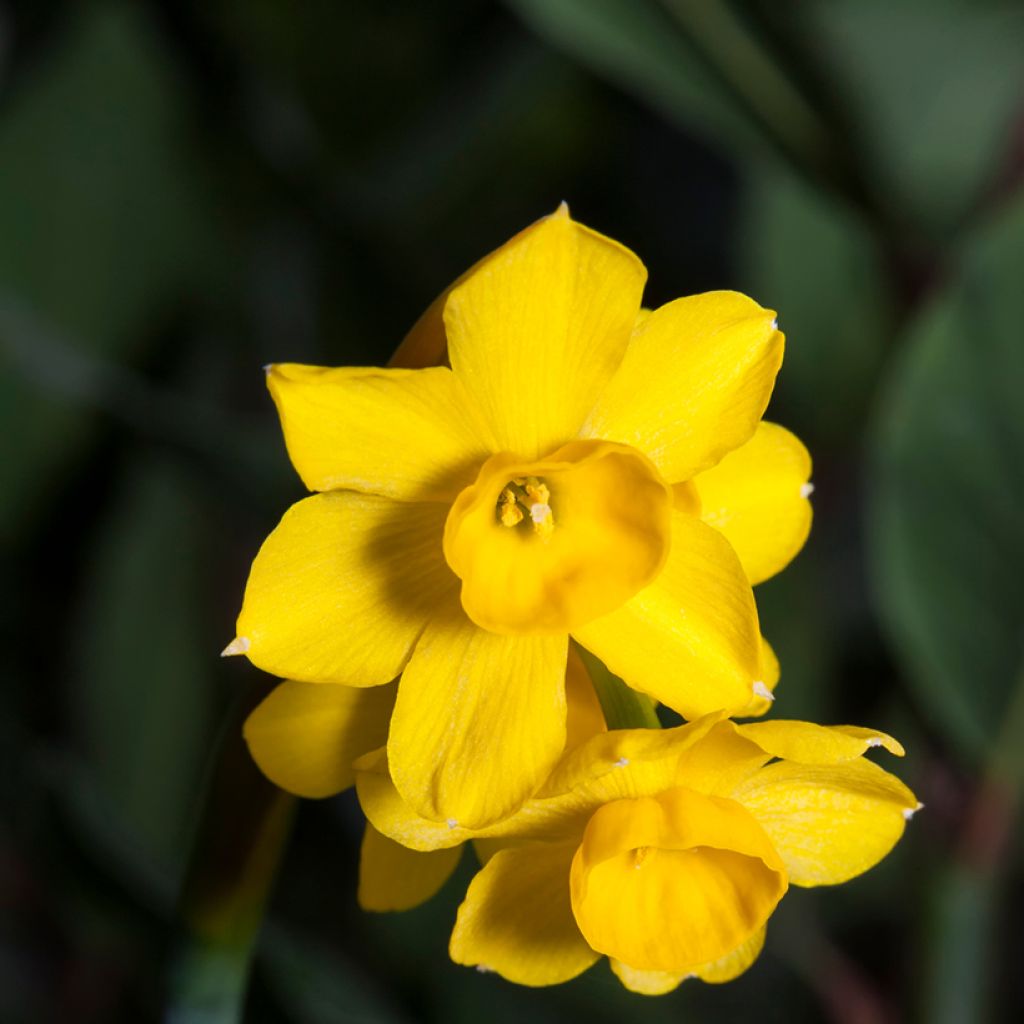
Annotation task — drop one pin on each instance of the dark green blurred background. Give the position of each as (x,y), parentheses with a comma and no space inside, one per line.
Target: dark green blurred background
(190,190)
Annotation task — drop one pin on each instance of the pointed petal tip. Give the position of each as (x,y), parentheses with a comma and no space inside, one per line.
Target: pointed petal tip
(237,646)
(760,690)
(806,490)
(909,812)
(563,210)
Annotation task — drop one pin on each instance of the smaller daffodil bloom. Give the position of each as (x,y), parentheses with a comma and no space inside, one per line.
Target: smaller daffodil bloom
(305,737)
(665,850)
(581,468)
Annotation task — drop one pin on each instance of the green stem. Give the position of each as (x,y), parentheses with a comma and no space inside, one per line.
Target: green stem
(623,708)
(243,831)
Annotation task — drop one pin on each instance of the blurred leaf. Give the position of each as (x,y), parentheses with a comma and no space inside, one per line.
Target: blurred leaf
(814,261)
(319,985)
(636,44)
(934,88)
(143,693)
(102,219)
(948,489)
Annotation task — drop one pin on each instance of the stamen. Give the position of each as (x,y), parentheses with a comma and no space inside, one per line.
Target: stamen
(527,496)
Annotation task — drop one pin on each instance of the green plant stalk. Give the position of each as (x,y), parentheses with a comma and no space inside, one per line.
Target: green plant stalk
(243,831)
(964,915)
(623,708)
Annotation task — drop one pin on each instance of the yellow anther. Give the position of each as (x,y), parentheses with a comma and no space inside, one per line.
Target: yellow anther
(538,493)
(510,512)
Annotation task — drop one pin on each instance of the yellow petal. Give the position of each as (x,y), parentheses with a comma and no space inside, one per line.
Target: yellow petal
(733,964)
(647,983)
(405,434)
(694,383)
(305,736)
(726,968)
(758,497)
(516,919)
(764,696)
(537,330)
(479,721)
(342,588)
(394,878)
(584,717)
(674,881)
(816,744)
(691,638)
(600,535)
(829,823)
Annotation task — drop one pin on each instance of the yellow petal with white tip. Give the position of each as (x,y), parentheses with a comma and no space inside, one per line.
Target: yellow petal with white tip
(829,822)
(537,329)
(757,496)
(690,639)
(694,383)
(816,744)
(343,587)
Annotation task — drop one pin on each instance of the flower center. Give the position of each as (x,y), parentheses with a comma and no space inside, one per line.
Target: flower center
(526,499)
(544,547)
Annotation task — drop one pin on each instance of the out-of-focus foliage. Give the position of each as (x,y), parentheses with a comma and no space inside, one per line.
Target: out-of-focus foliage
(948,485)
(190,190)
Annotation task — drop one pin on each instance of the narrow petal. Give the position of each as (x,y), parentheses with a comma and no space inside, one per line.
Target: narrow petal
(758,497)
(305,736)
(517,921)
(536,332)
(691,639)
(829,823)
(816,744)
(405,434)
(479,721)
(342,588)
(695,380)
(394,878)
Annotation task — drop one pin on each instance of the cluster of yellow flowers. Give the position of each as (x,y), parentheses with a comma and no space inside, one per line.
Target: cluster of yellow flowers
(563,479)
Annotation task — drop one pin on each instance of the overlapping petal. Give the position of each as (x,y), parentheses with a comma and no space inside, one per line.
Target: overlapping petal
(479,721)
(540,327)
(343,587)
(405,434)
(691,638)
(694,383)
(305,736)
(757,496)
(517,920)
(816,744)
(394,878)
(829,823)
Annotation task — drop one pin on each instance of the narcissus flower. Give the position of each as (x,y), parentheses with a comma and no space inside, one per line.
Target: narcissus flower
(665,850)
(584,468)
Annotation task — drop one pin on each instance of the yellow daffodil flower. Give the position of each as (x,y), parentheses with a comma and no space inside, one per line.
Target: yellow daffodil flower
(305,737)
(664,850)
(583,468)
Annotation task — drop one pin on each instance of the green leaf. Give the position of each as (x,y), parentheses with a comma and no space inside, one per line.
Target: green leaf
(933,89)
(815,262)
(102,222)
(637,45)
(948,487)
(143,689)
